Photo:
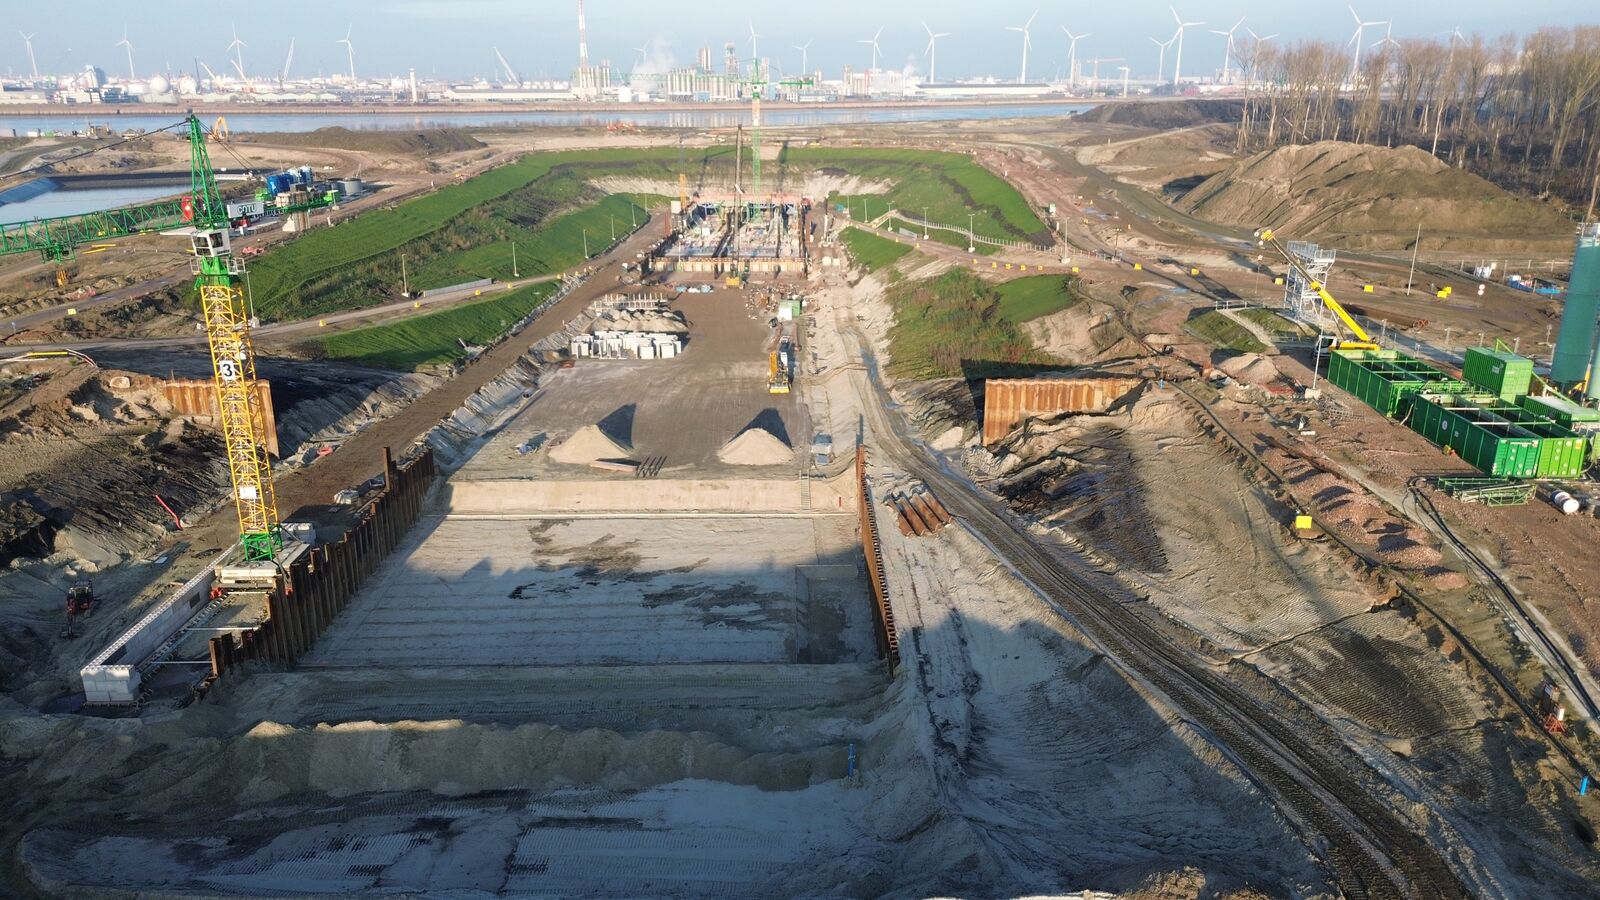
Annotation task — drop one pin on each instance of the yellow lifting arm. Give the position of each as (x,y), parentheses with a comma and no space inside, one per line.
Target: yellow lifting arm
(1363,341)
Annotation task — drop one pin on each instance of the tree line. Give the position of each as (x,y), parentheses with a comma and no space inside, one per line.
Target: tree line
(1521,110)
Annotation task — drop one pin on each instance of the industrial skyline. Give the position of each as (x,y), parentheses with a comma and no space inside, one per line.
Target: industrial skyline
(460,40)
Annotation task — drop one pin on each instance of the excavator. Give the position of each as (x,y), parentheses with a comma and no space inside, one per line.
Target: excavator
(1362,340)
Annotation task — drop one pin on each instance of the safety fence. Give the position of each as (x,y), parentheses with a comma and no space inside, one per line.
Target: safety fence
(318,585)
(883,622)
(887,222)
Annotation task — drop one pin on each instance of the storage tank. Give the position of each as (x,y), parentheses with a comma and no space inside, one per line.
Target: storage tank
(1570,362)
(279,183)
(350,187)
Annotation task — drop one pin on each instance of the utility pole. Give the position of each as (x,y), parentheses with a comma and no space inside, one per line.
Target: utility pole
(972,239)
(586,243)
(1414,245)
(405,284)
(924,223)
(613,228)
(514,272)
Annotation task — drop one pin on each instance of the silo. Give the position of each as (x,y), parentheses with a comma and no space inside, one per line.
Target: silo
(1574,343)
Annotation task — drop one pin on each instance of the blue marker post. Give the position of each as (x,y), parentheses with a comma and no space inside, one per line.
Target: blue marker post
(1583,786)
(850,765)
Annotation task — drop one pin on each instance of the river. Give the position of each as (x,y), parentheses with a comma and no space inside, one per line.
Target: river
(721,117)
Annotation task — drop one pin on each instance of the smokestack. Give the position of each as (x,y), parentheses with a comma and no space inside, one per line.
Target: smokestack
(1569,364)
(583,39)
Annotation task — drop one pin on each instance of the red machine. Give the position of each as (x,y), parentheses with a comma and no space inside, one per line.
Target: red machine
(80,602)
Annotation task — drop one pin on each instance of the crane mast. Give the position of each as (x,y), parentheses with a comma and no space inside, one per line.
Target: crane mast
(233,363)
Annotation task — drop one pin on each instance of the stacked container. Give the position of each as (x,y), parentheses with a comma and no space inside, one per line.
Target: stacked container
(1505,375)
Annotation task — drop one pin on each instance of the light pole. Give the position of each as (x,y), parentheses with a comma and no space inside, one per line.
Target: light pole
(586,243)
(924,223)
(972,239)
(514,272)
(613,228)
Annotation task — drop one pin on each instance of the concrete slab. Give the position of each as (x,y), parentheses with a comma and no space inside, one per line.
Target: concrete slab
(679,410)
(609,591)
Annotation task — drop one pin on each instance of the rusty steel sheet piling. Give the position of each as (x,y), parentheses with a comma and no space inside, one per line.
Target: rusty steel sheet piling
(1007,401)
(883,622)
(319,585)
(197,398)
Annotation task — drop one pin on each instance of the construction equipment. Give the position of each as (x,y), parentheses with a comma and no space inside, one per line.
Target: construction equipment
(777,376)
(1363,341)
(80,602)
(220,130)
(1552,714)
(201,216)
(756,84)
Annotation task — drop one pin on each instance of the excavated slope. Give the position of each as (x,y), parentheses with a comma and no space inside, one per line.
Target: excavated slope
(1365,197)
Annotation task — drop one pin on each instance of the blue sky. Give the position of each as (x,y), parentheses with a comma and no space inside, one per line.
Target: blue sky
(453,38)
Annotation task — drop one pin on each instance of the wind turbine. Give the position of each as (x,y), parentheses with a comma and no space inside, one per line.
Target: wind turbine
(1387,39)
(804,49)
(755,59)
(874,42)
(349,29)
(644,53)
(1227,53)
(28,39)
(287,61)
(238,47)
(1177,66)
(1355,41)
(1072,54)
(129,44)
(1255,52)
(1161,65)
(1027,43)
(932,51)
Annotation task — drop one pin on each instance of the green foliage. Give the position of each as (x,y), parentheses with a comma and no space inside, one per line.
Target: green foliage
(434,337)
(1223,333)
(952,326)
(948,185)
(1022,299)
(870,250)
(1272,323)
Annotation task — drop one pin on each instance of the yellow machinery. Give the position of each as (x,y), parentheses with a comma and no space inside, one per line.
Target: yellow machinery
(777,379)
(1363,341)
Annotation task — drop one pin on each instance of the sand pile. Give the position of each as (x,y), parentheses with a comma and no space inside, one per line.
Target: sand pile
(1371,197)
(588,445)
(1250,368)
(755,447)
(1083,334)
(652,321)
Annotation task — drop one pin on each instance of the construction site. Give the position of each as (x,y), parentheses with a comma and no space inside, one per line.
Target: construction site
(935,509)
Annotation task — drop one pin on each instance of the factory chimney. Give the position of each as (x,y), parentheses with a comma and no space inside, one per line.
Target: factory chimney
(583,40)
(1575,343)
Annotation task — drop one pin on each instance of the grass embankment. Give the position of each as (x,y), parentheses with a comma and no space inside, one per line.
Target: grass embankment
(954,326)
(431,142)
(1223,333)
(872,251)
(434,337)
(1272,323)
(947,185)
(1022,299)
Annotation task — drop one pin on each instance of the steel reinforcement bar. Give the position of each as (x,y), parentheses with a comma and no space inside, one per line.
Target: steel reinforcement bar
(320,583)
(883,622)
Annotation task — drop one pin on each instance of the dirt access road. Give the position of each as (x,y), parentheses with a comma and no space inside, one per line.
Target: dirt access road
(1312,776)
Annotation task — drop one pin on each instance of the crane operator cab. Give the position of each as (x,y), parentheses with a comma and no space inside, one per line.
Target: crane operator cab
(211,243)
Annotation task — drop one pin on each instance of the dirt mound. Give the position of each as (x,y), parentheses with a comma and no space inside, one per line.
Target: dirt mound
(1372,198)
(1250,368)
(588,445)
(1174,114)
(424,143)
(755,447)
(1084,334)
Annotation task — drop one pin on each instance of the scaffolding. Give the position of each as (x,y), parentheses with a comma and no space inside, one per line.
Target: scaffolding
(1301,297)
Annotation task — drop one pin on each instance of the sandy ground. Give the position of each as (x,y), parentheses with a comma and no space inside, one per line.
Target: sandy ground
(552,592)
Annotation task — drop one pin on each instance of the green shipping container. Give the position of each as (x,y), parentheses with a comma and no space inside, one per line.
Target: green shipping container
(1491,444)
(1505,375)
(1386,379)
(1560,410)
(1562,453)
